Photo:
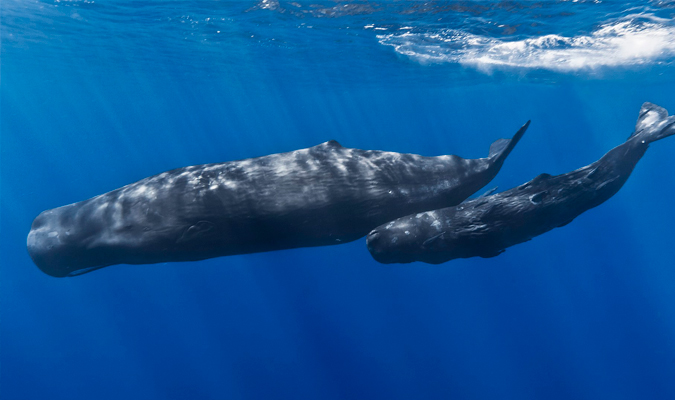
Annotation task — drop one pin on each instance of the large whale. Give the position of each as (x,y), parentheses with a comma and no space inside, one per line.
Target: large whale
(487,225)
(322,195)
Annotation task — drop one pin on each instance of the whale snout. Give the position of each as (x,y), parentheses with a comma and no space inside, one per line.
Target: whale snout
(47,246)
(41,248)
(379,243)
(56,246)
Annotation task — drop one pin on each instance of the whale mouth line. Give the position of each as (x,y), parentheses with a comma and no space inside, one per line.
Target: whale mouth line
(83,271)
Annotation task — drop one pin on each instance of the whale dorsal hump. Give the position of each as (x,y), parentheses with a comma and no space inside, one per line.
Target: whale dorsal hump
(541,177)
(537,179)
(333,143)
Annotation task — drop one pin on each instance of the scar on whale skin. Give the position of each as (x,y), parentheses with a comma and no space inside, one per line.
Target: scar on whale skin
(485,227)
(322,195)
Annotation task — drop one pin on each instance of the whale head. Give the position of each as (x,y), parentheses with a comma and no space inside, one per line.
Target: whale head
(61,248)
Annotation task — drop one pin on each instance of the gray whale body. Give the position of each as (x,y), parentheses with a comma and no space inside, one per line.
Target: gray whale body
(322,195)
(487,225)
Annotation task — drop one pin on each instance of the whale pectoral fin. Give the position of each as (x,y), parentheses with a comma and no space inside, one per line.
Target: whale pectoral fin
(200,229)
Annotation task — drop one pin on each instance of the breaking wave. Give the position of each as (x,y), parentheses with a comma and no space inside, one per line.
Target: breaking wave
(634,40)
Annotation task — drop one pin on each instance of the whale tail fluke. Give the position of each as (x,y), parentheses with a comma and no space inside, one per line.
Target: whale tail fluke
(501,148)
(653,124)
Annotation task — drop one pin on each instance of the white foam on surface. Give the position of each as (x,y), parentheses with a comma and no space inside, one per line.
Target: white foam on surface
(634,40)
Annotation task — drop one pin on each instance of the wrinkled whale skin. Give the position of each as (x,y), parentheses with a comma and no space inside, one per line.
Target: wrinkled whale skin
(323,195)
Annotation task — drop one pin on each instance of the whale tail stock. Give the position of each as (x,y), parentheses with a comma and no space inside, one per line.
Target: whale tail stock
(653,124)
(500,149)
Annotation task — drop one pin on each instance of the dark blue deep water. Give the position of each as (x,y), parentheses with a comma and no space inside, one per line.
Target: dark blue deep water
(99,94)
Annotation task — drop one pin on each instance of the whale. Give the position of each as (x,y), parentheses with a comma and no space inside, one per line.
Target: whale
(323,195)
(486,226)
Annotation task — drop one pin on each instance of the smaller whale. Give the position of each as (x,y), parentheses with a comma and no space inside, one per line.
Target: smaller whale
(486,226)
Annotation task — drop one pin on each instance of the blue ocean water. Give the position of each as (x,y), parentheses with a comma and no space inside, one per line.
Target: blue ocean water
(96,95)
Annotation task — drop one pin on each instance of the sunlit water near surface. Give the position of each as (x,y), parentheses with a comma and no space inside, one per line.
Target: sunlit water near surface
(96,95)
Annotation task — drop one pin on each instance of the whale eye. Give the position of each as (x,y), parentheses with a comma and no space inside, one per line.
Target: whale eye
(197,230)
